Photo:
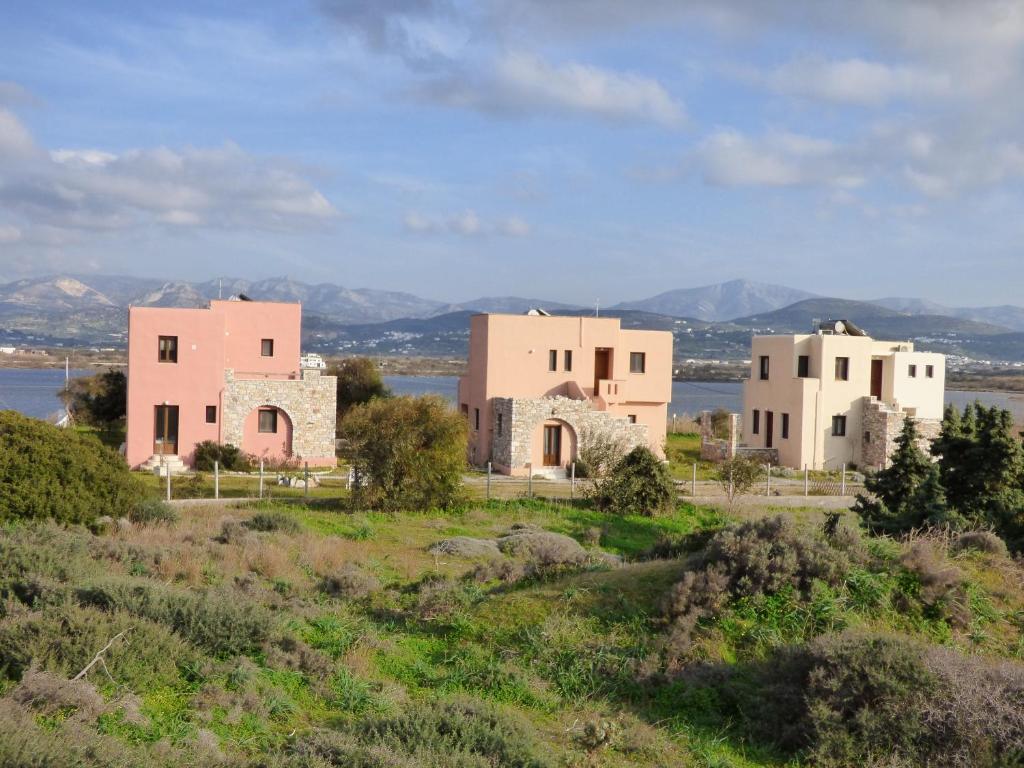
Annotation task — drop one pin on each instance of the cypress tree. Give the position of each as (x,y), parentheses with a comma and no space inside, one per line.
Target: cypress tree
(890,509)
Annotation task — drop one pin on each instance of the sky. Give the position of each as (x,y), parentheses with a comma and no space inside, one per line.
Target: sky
(575,150)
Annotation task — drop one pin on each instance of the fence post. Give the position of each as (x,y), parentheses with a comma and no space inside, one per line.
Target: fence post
(488,481)
(732,490)
(307,481)
(807,484)
(693,481)
(572,481)
(167,471)
(842,482)
(216,479)
(675,426)
(768,479)
(261,478)
(529,486)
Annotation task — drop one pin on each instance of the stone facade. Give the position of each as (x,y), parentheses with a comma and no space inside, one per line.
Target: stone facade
(310,403)
(882,425)
(520,418)
(715,448)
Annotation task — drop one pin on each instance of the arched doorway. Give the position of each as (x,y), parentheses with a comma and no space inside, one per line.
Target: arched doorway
(553,444)
(267,433)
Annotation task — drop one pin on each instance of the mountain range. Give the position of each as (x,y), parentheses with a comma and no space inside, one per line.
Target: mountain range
(713,321)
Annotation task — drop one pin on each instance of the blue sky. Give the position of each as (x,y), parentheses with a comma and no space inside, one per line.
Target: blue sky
(578,150)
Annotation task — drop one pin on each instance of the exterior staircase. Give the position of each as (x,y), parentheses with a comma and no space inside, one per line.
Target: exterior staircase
(161,465)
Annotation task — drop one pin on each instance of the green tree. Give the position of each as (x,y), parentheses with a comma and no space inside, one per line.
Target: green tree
(895,504)
(408,453)
(99,400)
(359,381)
(639,484)
(59,473)
(738,475)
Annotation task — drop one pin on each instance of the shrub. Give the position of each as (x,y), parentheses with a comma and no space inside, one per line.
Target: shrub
(543,548)
(228,457)
(270,521)
(439,597)
(359,381)
(350,582)
(738,476)
(100,399)
(408,453)
(599,451)
(639,484)
(50,694)
(940,585)
(60,473)
(980,541)
(153,512)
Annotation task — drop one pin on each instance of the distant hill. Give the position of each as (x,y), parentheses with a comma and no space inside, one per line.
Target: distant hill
(723,301)
(512,305)
(1006,314)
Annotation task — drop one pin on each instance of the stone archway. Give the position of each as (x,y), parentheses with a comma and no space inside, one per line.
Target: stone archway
(268,433)
(568,443)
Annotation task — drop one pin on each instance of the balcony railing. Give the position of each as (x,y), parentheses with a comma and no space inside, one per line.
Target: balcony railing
(610,392)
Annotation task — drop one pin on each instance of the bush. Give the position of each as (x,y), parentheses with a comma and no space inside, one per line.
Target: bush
(408,453)
(359,382)
(940,585)
(350,582)
(99,400)
(268,522)
(980,541)
(50,694)
(738,476)
(639,484)
(153,512)
(228,457)
(599,451)
(61,474)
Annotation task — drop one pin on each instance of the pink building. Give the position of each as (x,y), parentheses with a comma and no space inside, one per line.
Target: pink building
(228,373)
(538,386)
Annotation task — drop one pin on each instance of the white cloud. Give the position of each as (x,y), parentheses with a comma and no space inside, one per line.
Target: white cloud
(854,81)
(522,83)
(467,224)
(15,139)
(730,159)
(9,234)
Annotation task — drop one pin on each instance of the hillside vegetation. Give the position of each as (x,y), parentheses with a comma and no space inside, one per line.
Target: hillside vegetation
(507,634)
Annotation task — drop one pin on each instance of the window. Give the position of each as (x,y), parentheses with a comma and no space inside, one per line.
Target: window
(568,360)
(756,426)
(268,420)
(500,425)
(553,360)
(929,371)
(168,349)
(839,426)
(842,369)
(867,438)
(785,426)
(211,414)
(465,410)
(803,366)
(267,347)
(632,418)
(476,418)
(637,362)
(764,367)
(912,371)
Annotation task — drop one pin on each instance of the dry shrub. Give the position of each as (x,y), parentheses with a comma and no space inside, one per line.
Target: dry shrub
(979,541)
(543,547)
(274,520)
(942,589)
(465,546)
(50,694)
(350,582)
(187,565)
(233,532)
(498,569)
(268,560)
(439,597)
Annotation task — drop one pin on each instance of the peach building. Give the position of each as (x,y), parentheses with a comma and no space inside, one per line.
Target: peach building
(839,397)
(537,385)
(228,373)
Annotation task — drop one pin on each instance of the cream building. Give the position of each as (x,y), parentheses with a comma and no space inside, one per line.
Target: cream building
(838,396)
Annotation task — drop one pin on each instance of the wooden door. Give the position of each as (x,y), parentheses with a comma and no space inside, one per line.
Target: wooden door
(602,368)
(552,445)
(165,430)
(876,379)
(769,428)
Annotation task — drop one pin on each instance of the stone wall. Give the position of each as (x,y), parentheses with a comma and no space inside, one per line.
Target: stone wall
(520,417)
(715,448)
(882,425)
(310,403)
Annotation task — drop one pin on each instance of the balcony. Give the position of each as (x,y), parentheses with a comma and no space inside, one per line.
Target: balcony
(610,392)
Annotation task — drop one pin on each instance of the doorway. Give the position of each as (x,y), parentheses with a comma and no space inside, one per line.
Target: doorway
(165,430)
(602,368)
(769,429)
(876,379)
(552,445)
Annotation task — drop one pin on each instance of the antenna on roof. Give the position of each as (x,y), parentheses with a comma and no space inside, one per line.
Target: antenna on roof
(597,308)
(220,287)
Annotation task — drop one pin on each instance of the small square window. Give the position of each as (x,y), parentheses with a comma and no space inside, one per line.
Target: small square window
(267,348)
(867,438)
(268,420)
(568,359)
(755,427)
(803,366)
(632,418)
(785,426)
(839,426)
(637,362)
(929,371)
(168,349)
(211,414)
(912,371)
(476,418)
(764,367)
(553,360)
(842,369)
